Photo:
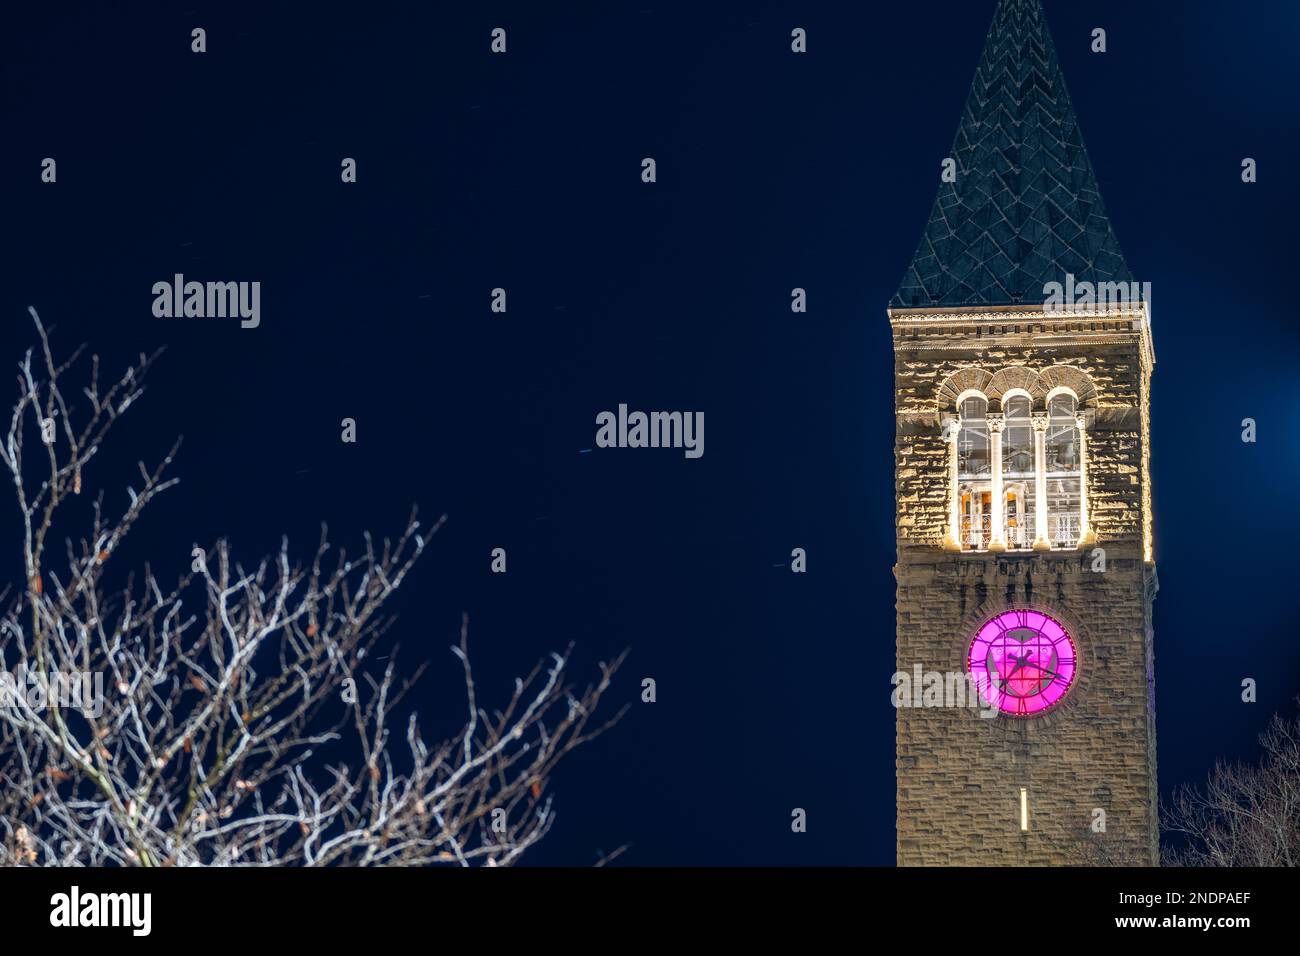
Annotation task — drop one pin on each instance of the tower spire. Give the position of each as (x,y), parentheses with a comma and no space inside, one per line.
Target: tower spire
(1024,209)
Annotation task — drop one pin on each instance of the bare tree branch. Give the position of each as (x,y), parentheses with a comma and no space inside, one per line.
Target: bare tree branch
(1242,815)
(241,719)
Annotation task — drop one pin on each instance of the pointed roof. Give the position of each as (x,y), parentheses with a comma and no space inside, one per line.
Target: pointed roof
(1024,209)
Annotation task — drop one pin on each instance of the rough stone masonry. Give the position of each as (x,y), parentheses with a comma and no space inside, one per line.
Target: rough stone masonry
(959,776)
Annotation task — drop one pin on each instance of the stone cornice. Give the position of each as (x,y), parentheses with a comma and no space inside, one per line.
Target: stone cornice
(1012,312)
(1021,338)
(1044,326)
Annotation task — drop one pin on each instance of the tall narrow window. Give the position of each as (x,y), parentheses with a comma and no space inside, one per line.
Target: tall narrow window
(974,480)
(1063,474)
(1018,473)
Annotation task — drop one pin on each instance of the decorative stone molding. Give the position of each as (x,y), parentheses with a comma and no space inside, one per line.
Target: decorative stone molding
(1037,383)
(1014,376)
(1066,376)
(1035,313)
(970,378)
(1115,325)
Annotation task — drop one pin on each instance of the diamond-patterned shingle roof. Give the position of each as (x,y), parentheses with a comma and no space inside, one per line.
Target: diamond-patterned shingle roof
(1025,209)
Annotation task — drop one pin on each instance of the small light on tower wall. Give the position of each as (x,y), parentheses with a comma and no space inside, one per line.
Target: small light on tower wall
(1024,808)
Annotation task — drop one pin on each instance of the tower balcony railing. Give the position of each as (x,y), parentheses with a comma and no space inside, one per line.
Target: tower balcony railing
(1018,537)
(1063,530)
(1062,533)
(976,535)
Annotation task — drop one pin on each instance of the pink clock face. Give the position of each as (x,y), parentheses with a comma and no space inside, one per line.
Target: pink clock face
(1023,662)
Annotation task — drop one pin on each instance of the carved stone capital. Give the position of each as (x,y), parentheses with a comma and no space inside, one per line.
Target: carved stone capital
(1039,421)
(996,421)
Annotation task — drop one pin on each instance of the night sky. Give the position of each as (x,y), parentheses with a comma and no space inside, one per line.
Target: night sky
(523,171)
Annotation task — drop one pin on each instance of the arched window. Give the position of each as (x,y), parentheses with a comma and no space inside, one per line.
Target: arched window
(1063,474)
(973,440)
(1017,438)
(973,474)
(1018,472)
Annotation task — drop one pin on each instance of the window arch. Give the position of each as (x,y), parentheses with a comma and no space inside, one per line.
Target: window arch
(973,438)
(1017,436)
(974,487)
(1063,460)
(1017,470)
(1034,450)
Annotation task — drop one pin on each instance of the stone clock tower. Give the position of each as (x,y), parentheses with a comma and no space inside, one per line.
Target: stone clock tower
(1025,568)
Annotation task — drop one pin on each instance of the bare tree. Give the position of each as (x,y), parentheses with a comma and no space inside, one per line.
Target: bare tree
(1243,815)
(1094,850)
(237,718)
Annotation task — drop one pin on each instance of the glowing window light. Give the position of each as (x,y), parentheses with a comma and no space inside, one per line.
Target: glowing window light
(1024,808)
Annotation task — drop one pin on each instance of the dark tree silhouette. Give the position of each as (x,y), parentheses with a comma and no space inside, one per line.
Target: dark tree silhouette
(1242,815)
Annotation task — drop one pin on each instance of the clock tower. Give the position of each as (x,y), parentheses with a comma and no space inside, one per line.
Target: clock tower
(1025,565)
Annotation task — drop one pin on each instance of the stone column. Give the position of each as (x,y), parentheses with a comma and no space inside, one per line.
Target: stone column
(1085,530)
(953,541)
(1039,422)
(998,539)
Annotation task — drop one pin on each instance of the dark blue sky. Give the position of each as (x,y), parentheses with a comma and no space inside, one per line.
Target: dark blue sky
(775,171)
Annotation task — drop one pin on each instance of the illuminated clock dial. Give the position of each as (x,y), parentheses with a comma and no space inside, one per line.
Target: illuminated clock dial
(1023,662)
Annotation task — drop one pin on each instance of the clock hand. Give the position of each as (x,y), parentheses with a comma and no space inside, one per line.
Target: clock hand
(1020,662)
